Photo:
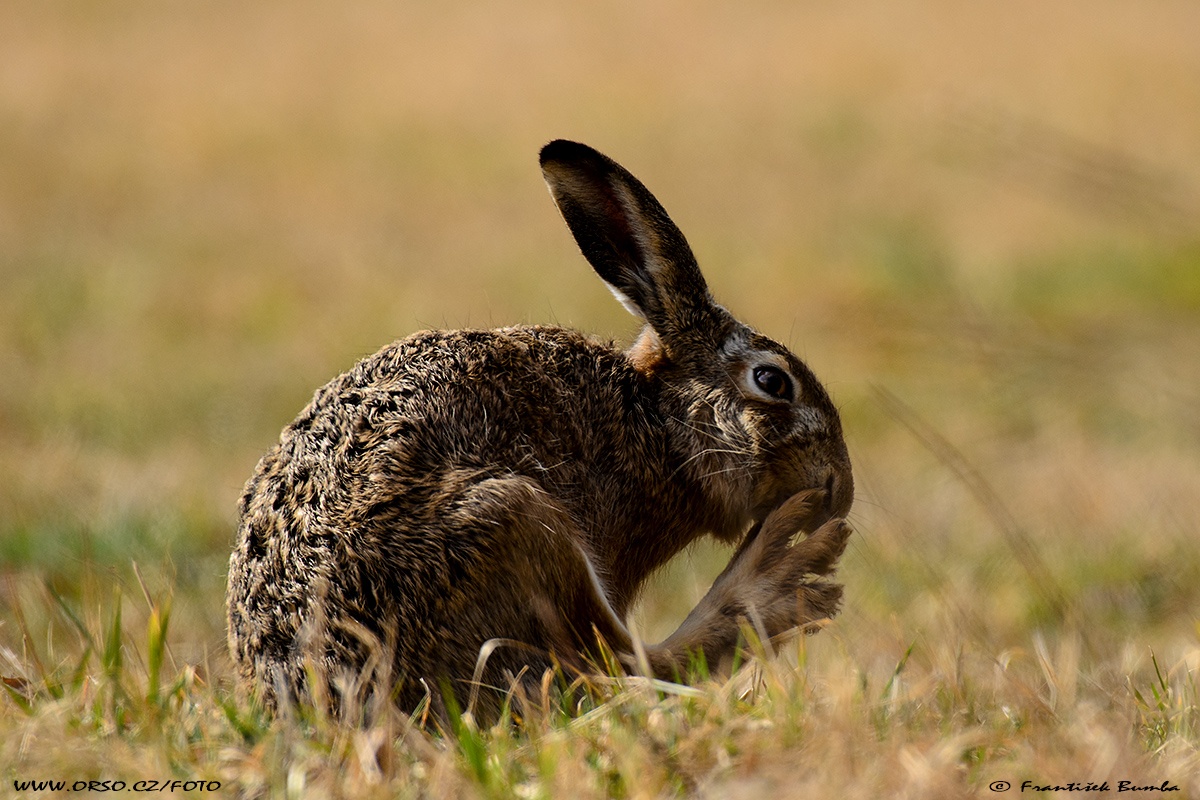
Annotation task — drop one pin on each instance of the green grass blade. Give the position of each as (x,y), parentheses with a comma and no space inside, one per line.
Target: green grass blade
(156,639)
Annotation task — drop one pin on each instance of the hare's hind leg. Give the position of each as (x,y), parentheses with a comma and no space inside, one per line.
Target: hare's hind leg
(535,598)
(524,595)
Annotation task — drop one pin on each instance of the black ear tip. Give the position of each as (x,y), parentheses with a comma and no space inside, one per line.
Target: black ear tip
(563,151)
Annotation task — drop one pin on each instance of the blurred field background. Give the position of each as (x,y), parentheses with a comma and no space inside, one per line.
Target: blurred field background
(979,224)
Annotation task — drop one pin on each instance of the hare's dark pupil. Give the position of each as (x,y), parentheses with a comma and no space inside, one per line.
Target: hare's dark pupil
(771,381)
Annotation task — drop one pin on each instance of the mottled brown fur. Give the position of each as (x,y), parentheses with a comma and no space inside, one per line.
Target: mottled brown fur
(464,487)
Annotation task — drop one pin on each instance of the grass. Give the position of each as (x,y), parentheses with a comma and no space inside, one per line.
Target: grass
(942,714)
(978,228)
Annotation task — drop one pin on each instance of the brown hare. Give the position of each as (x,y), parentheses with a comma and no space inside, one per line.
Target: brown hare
(466,507)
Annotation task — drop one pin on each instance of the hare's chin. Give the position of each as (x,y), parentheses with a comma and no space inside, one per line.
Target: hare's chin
(736,532)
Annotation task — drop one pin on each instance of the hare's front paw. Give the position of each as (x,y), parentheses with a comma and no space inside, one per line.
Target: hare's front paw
(771,583)
(782,584)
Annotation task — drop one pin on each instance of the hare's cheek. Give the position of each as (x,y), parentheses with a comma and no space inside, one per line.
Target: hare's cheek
(793,461)
(808,421)
(773,426)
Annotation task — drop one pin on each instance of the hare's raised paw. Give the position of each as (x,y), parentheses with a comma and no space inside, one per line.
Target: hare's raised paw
(811,560)
(787,581)
(803,511)
(817,554)
(773,547)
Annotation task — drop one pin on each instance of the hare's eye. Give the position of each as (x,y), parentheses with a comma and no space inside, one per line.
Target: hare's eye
(773,381)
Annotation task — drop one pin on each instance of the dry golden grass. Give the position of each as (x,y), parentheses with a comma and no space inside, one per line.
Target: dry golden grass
(979,225)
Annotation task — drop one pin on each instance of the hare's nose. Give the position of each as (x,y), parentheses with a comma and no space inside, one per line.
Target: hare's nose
(839,492)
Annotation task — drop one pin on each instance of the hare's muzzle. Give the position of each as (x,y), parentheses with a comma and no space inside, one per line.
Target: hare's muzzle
(839,491)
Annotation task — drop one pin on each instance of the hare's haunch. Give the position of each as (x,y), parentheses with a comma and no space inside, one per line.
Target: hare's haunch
(506,493)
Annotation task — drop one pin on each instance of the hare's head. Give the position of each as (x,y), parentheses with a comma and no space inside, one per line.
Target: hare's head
(757,424)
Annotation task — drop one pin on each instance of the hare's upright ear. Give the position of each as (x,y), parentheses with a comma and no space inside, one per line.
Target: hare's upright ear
(626,235)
